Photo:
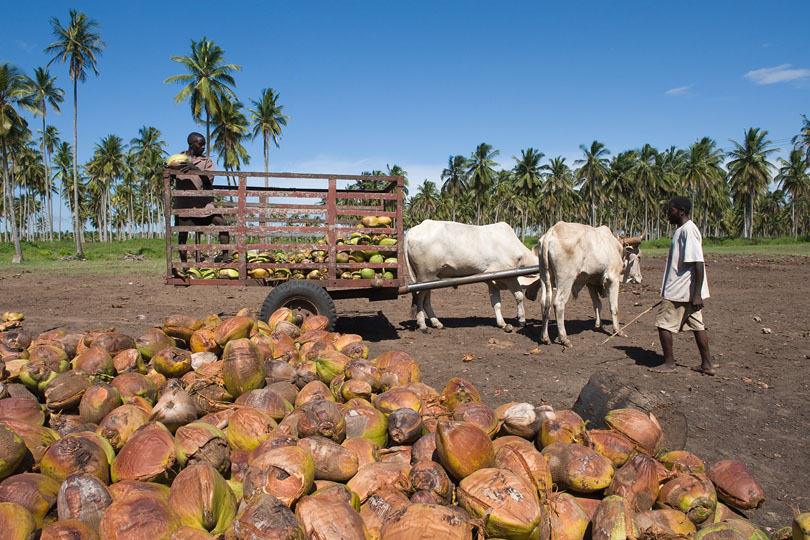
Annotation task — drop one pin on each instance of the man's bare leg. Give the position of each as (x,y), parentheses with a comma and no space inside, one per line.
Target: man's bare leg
(666,346)
(702,340)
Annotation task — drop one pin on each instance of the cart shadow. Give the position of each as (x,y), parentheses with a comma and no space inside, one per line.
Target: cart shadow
(373,328)
(641,356)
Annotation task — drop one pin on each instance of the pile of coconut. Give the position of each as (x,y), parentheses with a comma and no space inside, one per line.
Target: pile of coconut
(246,429)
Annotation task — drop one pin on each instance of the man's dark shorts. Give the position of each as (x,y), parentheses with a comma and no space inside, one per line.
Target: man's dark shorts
(186,221)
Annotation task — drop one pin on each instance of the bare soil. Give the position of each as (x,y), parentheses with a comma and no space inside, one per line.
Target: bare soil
(754,410)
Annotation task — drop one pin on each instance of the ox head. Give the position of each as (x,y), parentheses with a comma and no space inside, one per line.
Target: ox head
(631,258)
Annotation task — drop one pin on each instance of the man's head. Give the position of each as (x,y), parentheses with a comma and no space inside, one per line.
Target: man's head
(196,143)
(678,209)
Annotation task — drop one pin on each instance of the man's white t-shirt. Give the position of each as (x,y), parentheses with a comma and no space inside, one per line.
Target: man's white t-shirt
(679,276)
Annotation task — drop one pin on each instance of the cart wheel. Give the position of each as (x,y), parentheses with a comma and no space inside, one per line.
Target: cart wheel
(303,298)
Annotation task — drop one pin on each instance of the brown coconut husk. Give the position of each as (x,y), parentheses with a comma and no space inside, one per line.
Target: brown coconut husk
(139,517)
(430,520)
(375,477)
(83,497)
(736,485)
(330,518)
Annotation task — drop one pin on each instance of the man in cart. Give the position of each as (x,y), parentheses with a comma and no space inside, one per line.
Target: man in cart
(198,162)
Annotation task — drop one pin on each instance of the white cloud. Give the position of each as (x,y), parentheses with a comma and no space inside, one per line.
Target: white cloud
(777,74)
(677,91)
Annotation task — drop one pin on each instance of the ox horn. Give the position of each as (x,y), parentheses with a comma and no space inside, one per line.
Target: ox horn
(635,240)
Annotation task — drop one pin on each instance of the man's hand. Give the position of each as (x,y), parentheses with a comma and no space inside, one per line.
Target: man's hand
(697,302)
(190,167)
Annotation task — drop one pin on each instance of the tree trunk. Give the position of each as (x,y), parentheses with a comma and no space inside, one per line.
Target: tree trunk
(15,237)
(47,177)
(77,228)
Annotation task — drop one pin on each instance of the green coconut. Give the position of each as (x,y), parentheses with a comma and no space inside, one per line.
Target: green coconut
(242,367)
(18,523)
(12,450)
(202,498)
(152,342)
(463,448)
(366,422)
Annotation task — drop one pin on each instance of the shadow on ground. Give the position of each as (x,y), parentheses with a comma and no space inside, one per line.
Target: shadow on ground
(374,328)
(641,356)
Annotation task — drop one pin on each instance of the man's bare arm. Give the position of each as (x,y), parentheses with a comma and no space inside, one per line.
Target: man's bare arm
(697,300)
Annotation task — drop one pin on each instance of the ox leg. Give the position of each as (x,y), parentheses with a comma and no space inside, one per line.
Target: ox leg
(613,299)
(546,295)
(517,291)
(429,308)
(560,299)
(495,300)
(419,299)
(597,304)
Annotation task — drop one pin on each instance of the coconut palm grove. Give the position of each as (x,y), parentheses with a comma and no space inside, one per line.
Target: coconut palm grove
(743,191)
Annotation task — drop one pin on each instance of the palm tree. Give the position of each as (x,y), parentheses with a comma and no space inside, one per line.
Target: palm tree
(703,169)
(455,180)
(63,161)
(43,93)
(750,172)
(208,81)
(802,140)
(620,186)
(593,172)
(481,174)
(230,129)
(648,177)
(13,93)
(267,120)
(527,176)
(793,177)
(559,186)
(425,203)
(107,165)
(79,45)
(148,151)
(396,170)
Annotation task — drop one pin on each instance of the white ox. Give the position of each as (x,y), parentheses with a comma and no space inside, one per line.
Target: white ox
(445,249)
(575,255)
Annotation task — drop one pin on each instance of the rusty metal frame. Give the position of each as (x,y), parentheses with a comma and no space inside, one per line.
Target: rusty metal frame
(336,221)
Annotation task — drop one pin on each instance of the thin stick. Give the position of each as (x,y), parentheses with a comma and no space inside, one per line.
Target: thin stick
(637,317)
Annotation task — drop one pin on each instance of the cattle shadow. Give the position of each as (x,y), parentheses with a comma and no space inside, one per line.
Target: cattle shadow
(534,327)
(641,356)
(373,328)
(458,322)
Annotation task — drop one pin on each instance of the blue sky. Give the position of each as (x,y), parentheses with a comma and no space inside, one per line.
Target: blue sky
(368,84)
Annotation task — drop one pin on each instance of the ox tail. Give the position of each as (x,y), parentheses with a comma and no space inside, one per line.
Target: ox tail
(411,278)
(545,271)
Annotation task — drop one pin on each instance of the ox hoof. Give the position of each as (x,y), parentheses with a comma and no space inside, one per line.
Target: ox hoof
(522,323)
(566,343)
(545,341)
(508,328)
(425,330)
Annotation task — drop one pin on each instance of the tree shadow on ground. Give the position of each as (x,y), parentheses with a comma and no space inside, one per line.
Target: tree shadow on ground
(641,356)
(373,328)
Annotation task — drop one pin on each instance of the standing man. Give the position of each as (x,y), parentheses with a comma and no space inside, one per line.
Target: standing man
(683,289)
(197,162)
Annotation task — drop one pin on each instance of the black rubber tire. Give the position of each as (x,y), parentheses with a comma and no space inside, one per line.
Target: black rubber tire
(304,298)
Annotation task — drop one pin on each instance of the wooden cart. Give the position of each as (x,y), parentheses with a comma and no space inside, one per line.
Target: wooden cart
(289,216)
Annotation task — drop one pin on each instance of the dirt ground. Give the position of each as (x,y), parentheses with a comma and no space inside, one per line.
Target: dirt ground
(755,410)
